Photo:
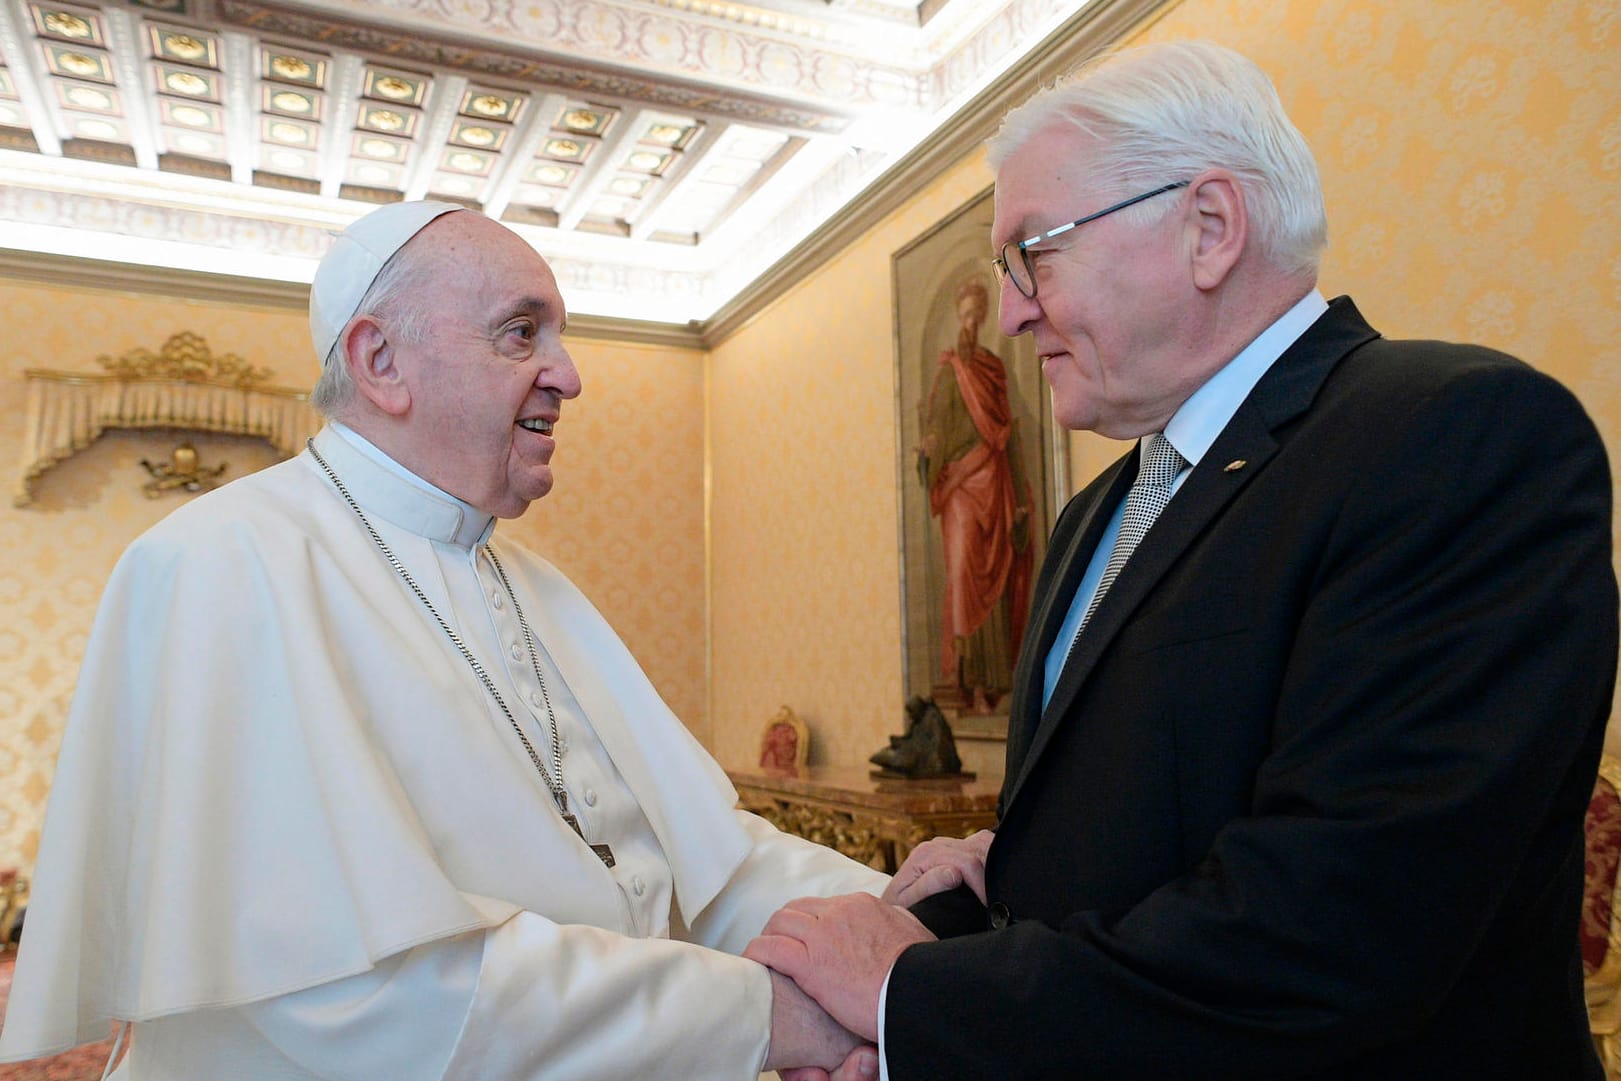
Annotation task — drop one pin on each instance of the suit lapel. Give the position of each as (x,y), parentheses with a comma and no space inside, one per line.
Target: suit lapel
(1053,602)
(1284,393)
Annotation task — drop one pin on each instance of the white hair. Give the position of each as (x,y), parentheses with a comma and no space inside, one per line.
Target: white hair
(397,294)
(1167,112)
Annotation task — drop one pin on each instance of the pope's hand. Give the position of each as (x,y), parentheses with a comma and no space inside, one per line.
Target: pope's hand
(803,1035)
(840,950)
(939,865)
(862,1065)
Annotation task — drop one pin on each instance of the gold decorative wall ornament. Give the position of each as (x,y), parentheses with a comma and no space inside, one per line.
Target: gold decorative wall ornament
(183,470)
(183,385)
(185,357)
(873,822)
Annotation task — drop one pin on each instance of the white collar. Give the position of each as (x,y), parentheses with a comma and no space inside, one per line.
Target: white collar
(387,489)
(1195,426)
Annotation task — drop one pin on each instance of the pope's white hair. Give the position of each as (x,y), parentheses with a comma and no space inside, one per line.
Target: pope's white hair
(399,295)
(1166,112)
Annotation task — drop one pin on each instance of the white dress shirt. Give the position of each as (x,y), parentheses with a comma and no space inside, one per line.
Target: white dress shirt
(1192,430)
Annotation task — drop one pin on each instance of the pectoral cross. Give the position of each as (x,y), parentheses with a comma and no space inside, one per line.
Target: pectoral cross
(602,852)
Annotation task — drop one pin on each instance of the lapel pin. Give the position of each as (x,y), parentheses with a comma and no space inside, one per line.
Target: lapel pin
(1235,465)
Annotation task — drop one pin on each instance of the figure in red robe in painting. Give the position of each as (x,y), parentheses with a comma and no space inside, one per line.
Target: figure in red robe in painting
(969,461)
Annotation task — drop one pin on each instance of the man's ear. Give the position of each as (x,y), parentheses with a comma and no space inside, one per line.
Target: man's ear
(1218,225)
(369,355)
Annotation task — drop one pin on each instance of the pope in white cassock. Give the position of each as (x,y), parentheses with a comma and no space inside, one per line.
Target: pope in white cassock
(351,789)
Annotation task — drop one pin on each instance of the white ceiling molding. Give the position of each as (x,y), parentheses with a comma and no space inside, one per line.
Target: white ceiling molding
(685,160)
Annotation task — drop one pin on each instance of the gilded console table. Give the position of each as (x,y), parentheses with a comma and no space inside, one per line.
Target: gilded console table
(875,821)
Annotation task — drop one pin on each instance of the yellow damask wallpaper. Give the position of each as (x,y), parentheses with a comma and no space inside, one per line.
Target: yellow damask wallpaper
(1471,151)
(625,520)
(804,519)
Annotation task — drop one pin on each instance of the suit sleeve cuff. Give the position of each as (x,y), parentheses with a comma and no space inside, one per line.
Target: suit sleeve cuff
(883,999)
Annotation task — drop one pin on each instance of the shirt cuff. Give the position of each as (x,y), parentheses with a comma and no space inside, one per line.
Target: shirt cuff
(883,997)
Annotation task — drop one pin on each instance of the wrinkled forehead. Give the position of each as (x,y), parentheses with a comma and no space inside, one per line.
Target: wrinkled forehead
(502,264)
(1047,181)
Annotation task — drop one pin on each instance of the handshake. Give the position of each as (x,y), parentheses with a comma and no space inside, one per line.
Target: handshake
(830,957)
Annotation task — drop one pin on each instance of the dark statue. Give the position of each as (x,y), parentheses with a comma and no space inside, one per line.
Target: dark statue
(926,750)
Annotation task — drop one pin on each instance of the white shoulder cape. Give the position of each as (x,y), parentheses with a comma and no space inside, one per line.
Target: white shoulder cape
(276,772)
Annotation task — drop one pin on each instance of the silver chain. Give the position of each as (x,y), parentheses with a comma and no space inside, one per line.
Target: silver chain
(554,776)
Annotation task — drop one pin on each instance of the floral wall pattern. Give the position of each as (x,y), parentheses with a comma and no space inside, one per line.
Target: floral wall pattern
(1470,151)
(625,520)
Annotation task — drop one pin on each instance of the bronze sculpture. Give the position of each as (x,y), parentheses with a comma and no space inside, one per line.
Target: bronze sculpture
(925,750)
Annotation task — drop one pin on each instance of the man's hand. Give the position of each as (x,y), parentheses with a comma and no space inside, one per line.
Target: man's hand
(840,950)
(939,865)
(862,1065)
(803,1035)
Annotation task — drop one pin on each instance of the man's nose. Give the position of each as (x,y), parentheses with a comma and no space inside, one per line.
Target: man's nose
(1015,311)
(560,376)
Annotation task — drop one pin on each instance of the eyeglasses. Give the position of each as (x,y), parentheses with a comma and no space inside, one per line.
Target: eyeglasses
(1022,272)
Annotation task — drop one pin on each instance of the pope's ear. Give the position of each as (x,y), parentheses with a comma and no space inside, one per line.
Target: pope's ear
(370,358)
(1219,223)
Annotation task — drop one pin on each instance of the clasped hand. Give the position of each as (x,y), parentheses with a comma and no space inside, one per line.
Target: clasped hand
(839,950)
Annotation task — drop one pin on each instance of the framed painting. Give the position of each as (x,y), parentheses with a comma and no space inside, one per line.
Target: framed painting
(981,472)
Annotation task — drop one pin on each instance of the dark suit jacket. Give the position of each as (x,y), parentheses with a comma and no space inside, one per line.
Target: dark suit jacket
(1307,801)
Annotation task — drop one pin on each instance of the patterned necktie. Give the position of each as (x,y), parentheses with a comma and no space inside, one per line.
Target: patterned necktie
(1149,494)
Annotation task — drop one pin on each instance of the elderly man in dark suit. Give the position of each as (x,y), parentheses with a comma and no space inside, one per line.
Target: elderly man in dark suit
(1317,675)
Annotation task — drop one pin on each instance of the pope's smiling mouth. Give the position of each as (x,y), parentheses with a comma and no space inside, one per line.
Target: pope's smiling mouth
(544,427)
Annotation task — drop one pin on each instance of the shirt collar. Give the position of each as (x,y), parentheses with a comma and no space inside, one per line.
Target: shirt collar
(1195,426)
(384,487)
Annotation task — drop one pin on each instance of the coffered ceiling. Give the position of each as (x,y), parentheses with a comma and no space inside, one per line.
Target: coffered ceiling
(661,153)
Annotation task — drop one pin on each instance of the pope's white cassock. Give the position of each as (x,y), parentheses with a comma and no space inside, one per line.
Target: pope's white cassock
(292,836)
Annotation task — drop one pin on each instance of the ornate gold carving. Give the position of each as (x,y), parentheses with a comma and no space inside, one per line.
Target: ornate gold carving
(582,120)
(88,97)
(184,385)
(13,900)
(290,67)
(79,64)
(289,101)
(185,46)
(183,470)
(490,105)
(382,149)
(390,87)
(876,823)
(838,830)
(187,358)
(69,26)
(387,120)
(191,116)
(184,82)
(648,162)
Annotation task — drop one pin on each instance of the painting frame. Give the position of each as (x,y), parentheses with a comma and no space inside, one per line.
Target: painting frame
(928,276)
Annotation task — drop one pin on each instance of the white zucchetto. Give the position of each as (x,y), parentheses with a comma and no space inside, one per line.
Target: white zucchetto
(354,260)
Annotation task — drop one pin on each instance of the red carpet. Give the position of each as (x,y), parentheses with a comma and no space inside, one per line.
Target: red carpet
(80,1064)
